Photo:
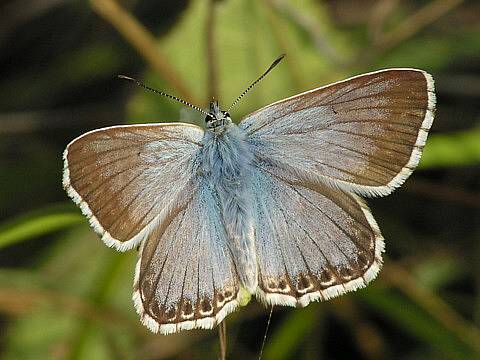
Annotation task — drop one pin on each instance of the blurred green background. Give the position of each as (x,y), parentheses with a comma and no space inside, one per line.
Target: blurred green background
(65,295)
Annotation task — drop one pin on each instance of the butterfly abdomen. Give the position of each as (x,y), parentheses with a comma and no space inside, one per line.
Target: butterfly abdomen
(227,164)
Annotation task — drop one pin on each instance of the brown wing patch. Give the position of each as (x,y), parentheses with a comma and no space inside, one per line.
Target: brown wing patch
(364,135)
(119,176)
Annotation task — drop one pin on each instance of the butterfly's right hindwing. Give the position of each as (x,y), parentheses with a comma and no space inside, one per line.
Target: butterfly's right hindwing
(313,242)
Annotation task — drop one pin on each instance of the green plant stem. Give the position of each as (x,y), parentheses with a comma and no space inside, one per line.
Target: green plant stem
(212,64)
(408,28)
(99,295)
(29,227)
(144,42)
(433,305)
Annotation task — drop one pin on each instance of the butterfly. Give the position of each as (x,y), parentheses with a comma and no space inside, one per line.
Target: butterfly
(271,207)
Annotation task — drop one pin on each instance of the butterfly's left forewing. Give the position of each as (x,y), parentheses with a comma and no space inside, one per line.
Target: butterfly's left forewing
(125,178)
(313,242)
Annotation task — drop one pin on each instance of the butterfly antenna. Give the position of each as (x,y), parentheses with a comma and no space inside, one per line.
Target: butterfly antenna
(265,335)
(275,63)
(139,83)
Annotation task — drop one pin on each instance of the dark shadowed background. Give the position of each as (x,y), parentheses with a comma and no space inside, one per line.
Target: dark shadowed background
(65,295)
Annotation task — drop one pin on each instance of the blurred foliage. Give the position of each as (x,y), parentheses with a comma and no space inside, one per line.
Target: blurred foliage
(64,295)
(453,149)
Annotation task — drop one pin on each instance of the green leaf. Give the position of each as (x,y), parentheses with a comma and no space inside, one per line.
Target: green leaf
(288,337)
(438,271)
(459,149)
(434,51)
(37,223)
(79,267)
(249,35)
(417,323)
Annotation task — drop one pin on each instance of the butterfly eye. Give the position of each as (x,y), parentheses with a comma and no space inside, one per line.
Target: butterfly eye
(208,118)
(226,114)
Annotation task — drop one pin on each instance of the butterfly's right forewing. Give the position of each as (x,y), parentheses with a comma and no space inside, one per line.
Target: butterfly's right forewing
(364,134)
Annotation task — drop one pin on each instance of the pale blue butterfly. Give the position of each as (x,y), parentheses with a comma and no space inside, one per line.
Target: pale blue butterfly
(269,207)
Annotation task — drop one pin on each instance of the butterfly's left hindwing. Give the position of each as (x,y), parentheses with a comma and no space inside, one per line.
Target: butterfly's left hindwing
(185,276)
(313,242)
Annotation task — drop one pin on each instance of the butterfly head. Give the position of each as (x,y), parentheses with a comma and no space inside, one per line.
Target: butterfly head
(217,120)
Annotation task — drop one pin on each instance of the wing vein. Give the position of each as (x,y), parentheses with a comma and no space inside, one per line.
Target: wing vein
(102,166)
(371,157)
(335,223)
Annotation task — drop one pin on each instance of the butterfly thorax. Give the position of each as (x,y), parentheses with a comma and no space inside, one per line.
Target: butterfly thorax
(226,167)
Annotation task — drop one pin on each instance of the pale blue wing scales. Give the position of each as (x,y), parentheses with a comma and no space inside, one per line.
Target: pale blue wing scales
(125,177)
(313,242)
(364,134)
(186,277)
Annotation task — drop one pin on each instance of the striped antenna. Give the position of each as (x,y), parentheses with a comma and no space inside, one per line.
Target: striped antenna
(139,83)
(275,63)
